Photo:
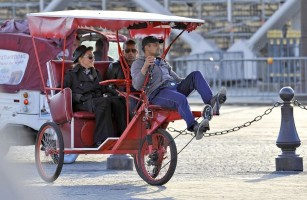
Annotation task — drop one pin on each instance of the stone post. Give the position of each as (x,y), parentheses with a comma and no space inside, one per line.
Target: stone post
(120,162)
(288,139)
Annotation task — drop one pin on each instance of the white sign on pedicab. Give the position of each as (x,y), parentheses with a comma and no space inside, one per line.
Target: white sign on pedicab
(12,66)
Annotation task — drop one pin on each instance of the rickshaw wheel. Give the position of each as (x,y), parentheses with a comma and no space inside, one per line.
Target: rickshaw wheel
(49,152)
(136,165)
(157,166)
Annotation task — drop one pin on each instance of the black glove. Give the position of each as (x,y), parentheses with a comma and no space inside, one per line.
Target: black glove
(111,89)
(112,86)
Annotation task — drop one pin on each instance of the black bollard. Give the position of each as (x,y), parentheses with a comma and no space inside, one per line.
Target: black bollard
(288,139)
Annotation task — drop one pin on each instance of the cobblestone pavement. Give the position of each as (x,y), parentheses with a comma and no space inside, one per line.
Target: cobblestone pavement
(239,165)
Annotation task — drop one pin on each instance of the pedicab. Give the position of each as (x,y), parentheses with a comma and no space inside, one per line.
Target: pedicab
(71,132)
(23,104)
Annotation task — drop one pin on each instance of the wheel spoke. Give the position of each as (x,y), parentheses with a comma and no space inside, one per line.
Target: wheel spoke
(49,152)
(158,161)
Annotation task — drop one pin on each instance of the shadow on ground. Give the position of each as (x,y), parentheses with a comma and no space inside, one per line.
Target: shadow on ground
(275,175)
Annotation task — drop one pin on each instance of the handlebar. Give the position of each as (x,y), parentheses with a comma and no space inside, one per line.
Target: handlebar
(117,82)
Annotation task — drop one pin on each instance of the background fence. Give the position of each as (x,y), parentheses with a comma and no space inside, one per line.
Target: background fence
(250,80)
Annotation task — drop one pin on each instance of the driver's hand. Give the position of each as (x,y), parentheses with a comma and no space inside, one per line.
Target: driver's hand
(149,61)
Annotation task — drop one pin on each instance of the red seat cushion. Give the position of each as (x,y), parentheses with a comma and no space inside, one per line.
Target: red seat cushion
(84,115)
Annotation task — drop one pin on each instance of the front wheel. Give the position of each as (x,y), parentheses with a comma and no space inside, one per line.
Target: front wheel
(157,158)
(49,152)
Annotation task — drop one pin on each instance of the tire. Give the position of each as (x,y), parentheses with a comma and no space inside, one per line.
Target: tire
(157,167)
(49,152)
(136,166)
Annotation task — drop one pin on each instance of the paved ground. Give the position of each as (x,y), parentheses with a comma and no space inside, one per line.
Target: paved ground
(238,165)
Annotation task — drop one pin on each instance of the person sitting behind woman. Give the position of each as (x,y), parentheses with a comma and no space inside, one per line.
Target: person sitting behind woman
(101,51)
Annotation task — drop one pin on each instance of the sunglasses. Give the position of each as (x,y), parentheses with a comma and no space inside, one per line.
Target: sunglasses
(89,57)
(128,50)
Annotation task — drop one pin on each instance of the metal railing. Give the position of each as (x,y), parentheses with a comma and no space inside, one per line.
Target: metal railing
(260,77)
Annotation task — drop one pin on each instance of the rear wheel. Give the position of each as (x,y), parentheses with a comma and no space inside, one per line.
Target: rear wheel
(49,152)
(157,158)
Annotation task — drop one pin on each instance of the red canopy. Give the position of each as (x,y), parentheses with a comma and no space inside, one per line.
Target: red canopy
(64,22)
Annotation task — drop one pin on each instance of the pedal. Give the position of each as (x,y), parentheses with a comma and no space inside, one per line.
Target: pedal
(207,112)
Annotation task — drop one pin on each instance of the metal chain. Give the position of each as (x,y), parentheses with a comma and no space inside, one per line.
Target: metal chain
(182,132)
(234,129)
(237,128)
(297,103)
(246,124)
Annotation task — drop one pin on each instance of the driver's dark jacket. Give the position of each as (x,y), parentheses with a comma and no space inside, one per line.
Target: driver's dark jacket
(115,72)
(83,87)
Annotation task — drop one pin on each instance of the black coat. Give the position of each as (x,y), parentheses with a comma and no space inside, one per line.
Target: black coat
(88,95)
(115,71)
(83,88)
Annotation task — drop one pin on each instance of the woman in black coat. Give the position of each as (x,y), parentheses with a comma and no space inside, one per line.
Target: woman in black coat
(88,95)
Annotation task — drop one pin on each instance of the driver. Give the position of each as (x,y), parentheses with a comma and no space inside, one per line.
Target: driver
(89,95)
(166,89)
(115,70)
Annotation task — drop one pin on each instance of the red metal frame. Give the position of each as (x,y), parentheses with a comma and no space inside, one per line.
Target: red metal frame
(129,141)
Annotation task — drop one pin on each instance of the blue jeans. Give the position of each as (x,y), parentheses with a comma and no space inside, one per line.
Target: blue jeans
(175,97)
